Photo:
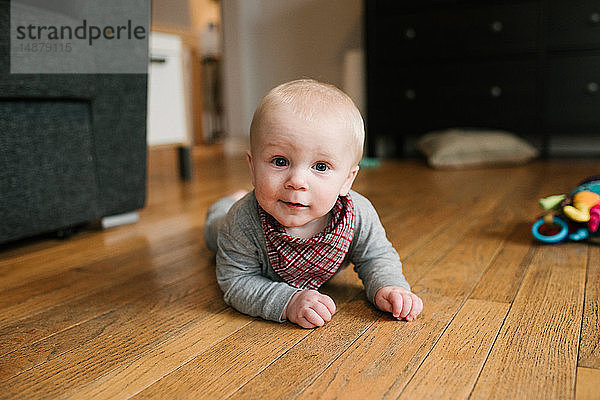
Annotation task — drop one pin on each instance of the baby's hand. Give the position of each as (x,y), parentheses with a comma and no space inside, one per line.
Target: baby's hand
(399,301)
(309,309)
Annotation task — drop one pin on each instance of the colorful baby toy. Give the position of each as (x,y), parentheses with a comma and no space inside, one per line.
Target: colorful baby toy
(574,216)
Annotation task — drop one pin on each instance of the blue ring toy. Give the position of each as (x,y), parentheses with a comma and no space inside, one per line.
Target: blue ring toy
(559,237)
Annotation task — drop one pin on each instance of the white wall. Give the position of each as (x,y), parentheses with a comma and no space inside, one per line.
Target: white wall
(267,42)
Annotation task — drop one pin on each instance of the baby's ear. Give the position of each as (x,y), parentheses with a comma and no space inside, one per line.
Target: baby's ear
(250,166)
(349,181)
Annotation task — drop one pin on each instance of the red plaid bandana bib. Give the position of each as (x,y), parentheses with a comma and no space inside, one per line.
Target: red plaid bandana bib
(308,263)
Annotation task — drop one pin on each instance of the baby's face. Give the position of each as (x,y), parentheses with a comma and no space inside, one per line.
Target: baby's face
(299,168)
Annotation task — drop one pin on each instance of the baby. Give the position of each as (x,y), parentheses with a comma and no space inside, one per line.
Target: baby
(279,243)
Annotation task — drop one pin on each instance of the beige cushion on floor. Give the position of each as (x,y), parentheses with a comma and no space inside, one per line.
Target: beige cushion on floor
(457,148)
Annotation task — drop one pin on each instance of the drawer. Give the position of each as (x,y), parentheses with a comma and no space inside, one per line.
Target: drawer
(476,95)
(572,93)
(459,32)
(574,25)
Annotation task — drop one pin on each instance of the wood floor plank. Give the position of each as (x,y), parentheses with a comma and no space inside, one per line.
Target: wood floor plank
(160,361)
(47,292)
(402,215)
(587,384)
(451,369)
(87,248)
(504,276)
(502,280)
(222,379)
(520,210)
(589,350)
(382,360)
(303,363)
(228,365)
(57,259)
(135,328)
(450,208)
(37,327)
(488,218)
(163,359)
(535,354)
(54,346)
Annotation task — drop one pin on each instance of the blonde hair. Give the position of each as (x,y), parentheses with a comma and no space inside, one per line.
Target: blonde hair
(309,99)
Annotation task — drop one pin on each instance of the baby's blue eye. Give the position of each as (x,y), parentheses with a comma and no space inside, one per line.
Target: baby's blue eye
(280,162)
(321,167)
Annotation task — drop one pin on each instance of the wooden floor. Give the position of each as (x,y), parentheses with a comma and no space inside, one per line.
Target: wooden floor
(135,311)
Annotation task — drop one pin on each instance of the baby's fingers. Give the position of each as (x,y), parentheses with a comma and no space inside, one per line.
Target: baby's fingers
(382,301)
(406,305)
(416,308)
(313,318)
(304,323)
(322,311)
(396,302)
(328,302)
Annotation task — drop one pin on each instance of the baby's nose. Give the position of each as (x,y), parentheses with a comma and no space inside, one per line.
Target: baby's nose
(297,180)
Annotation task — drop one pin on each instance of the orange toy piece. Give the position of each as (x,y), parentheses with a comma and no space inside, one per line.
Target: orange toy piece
(582,204)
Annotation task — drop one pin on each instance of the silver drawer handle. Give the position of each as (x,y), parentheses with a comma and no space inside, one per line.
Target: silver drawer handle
(496,26)
(592,88)
(496,91)
(595,18)
(410,33)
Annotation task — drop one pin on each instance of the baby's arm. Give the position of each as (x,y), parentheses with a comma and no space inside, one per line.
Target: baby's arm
(245,287)
(248,291)
(378,265)
(402,303)
(309,309)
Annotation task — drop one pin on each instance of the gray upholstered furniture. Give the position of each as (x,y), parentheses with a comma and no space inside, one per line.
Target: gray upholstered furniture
(72,146)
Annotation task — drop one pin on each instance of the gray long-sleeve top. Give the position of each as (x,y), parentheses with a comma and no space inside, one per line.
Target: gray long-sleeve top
(244,272)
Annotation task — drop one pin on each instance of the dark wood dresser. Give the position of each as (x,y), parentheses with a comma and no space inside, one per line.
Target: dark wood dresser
(530,67)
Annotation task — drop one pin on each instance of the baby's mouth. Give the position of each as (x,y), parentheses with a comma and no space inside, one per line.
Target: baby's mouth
(293,205)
